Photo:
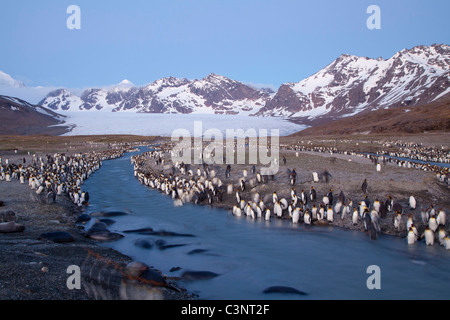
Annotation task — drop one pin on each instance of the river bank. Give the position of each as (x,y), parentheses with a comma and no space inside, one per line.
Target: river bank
(347,173)
(35,269)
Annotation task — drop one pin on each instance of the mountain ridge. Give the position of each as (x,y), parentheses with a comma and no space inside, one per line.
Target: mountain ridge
(18,117)
(348,85)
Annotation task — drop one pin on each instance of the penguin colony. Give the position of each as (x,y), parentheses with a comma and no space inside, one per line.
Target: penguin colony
(58,174)
(199,184)
(410,151)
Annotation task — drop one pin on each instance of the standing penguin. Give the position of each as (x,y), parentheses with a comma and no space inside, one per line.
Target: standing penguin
(441,236)
(429,236)
(409,222)
(304,197)
(345,211)
(321,212)
(412,202)
(296,215)
(378,167)
(424,215)
(274,197)
(397,221)
(315,177)
(446,243)
(364,186)
(355,216)
(277,209)
(258,212)
(389,204)
(262,205)
(341,197)
(330,214)
(312,194)
(267,215)
(375,220)
(432,224)
(441,218)
(256,197)
(383,210)
(292,177)
(294,200)
(307,218)
(376,205)
(242,183)
(330,196)
(238,196)
(238,212)
(411,237)
(314,212)
(228,171)
(326,200)
(242,204)
(258,177)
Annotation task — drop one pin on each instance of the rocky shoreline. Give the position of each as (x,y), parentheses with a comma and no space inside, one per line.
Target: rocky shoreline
(35,269)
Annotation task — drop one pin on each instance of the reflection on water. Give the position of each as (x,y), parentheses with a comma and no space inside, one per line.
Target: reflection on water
(249,255)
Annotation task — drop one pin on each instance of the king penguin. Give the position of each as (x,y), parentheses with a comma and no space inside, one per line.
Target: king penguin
(412,202)
(429,236)
(411,236)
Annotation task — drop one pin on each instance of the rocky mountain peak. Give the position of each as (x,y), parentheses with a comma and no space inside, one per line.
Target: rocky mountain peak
(346,86)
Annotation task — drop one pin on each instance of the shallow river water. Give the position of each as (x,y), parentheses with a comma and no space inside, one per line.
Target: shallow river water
(249,255)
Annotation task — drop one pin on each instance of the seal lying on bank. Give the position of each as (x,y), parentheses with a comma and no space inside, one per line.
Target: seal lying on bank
(282,289)
(137,270)
(57,236)
(198,275)
(10,227)
(100,232)
(108,214)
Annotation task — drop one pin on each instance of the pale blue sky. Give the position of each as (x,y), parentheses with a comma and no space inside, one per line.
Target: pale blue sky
(253,41)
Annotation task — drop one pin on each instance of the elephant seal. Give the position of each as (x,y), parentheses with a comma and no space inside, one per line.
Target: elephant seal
(105,236)
(10,227)
(144,243)
(139,230)
(98,227)
(107,221)
(174,269)
(162,245)
(100,232)
(196,251)
(83,218)
(108,214)
(198,275)
(164,233)
(139,271)
(282,289)
(57,236)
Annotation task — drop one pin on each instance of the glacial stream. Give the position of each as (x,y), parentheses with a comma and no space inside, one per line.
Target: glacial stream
(249,255)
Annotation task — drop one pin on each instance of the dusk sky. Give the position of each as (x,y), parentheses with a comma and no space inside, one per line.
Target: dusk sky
(253,41)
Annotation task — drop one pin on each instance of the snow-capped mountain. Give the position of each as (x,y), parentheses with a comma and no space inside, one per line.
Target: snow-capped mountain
(213,94)
(347,86)
(352,84)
